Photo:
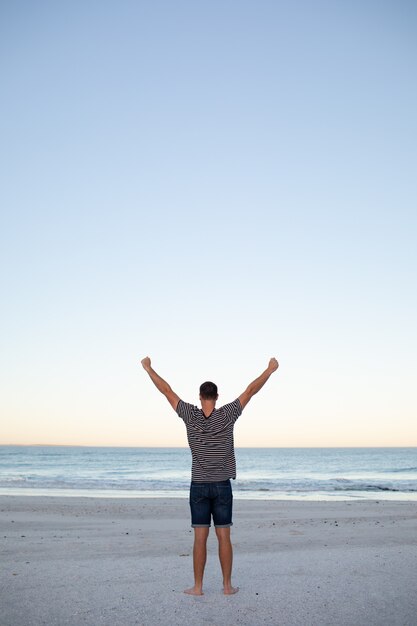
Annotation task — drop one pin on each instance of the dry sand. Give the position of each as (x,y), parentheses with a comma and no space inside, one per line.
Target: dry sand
(122,562)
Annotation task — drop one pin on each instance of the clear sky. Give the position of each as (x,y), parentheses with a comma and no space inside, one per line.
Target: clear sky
(209,184)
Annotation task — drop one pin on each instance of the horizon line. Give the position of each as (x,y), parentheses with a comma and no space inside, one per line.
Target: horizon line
(185,447)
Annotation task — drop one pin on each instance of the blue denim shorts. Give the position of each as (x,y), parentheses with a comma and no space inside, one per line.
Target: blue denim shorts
(209,500)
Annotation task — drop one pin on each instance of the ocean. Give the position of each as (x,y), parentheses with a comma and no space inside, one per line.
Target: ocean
(262,473)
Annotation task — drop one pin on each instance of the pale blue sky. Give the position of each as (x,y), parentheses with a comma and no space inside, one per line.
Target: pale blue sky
(211,184)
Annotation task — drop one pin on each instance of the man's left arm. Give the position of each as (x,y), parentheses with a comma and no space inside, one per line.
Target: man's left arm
(258,383)
(160,383)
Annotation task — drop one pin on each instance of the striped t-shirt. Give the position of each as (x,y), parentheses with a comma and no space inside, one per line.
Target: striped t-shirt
(211,441)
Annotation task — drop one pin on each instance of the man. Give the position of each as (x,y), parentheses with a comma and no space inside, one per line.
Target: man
(210,437)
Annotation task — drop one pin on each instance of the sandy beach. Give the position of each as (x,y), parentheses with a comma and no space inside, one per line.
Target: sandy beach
(126,561)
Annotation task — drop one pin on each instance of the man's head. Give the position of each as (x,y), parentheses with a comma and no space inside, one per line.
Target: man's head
(208,391)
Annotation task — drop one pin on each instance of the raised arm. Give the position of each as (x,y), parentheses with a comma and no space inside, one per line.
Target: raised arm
(161,384)
(258,383)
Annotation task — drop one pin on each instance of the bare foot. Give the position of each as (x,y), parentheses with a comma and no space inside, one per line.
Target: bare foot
(194,591)
(228,591)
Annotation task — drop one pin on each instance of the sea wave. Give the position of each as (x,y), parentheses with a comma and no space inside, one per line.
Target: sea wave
(280,485)
(328,485)
(399,470)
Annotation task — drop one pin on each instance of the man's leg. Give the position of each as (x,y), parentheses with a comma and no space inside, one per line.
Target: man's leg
(199,559)
(226,559)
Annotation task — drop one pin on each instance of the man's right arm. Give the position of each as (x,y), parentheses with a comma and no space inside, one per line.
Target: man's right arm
(258,383)
(161,384)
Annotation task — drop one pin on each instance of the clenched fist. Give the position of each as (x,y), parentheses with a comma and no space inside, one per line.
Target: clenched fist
(273,364)
(146,363)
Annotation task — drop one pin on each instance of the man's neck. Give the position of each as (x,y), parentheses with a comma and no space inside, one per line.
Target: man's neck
(207,406)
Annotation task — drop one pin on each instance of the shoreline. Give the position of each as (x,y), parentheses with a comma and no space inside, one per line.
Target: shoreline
(258,496)
(126,561)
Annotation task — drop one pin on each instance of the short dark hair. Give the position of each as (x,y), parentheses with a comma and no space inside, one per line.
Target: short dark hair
(208,391)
